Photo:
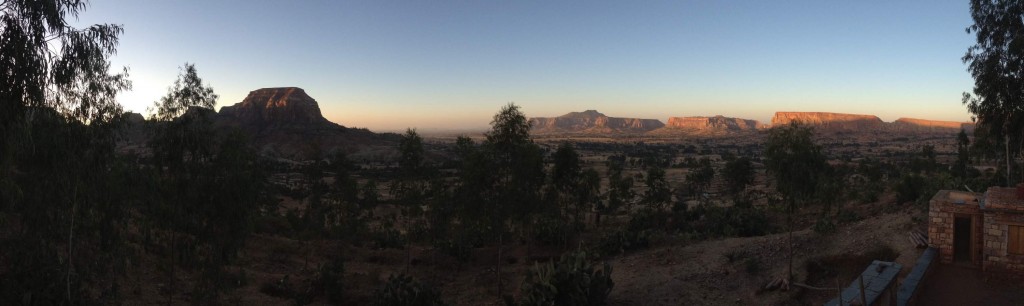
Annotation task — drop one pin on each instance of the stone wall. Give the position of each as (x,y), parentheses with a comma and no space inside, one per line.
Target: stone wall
(997,261)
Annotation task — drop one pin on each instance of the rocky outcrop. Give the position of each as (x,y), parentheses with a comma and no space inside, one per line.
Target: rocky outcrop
(717,123)
(831,122)
(287,122)
(592,121)
(925,126)
(283,107)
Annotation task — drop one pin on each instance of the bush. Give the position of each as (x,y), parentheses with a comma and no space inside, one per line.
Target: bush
(388,238)
(551,230)
(646,219)
(455,248)
(824,225)
(624,241)
(404,290)
(573,280)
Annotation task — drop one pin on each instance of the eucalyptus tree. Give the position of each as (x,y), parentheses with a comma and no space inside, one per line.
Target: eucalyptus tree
(796,165)
(57,118)
(517,167)
(996,62)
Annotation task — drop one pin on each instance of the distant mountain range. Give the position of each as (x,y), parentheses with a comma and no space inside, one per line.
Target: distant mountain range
(592,122)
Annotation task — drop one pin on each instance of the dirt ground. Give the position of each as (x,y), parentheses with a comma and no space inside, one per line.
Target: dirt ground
(701,274)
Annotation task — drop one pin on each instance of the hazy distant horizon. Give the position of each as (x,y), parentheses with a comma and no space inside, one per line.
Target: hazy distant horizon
(447,65)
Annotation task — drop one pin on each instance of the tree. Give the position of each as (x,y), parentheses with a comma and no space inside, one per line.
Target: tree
(658,194)
(620,187)
(700,177)
(963,155)
(997,64)
(518,171)
(796,165)
(589,194)
(45,62)
(410,188)
(566,177)
(56,93)
(210,184)
(738,173)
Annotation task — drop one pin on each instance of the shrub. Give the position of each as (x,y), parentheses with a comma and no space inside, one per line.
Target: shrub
(824,225)
(550,230)
(456,248)
(646,219)
(404,290)
(386,238)
(624,241)
(573,280)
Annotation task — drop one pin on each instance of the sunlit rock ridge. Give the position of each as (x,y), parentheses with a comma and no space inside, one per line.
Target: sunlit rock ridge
(283,107)
(716,123)
(592,121)
(836,122)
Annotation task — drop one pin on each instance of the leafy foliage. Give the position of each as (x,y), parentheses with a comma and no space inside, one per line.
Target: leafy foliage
(403,290)
(573,280)
(996,62)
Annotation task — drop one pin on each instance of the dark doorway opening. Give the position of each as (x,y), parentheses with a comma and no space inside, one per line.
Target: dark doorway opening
(962,239)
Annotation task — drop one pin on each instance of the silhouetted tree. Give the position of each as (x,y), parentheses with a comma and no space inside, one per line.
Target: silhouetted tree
(518,170)
(658,193)
(620,187)
(796,164)
(738,173)
(996,62)
(58,116)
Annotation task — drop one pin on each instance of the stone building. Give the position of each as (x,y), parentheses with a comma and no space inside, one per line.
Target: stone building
(985,230)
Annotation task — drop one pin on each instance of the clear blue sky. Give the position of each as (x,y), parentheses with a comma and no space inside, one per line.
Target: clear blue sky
(387,65)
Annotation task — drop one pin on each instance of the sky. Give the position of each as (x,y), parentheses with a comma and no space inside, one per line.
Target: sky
(450,65)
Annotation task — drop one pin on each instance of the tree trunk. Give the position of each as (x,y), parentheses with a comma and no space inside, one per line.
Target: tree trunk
(501,243)
(71,236)
(1006,141)
(789,220)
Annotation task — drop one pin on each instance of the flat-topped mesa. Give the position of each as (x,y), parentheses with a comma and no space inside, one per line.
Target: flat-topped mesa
(592,121)
(716,123)
(276,107)
(831,122)
(924,125)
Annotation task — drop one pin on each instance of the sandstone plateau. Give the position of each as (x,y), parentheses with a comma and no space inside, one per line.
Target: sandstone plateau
(716,123)
(591,121)
(831,122)
(835,122)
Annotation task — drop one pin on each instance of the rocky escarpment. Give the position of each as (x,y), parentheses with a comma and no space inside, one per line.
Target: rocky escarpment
(834,122)
(831,122)
(713,124)
(592,121)
(925,126)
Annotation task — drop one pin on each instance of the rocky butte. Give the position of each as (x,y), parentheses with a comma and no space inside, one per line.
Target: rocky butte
(287,121)
(831,122)
(591,121)
(925,126)
(713,124)
(835,122)
(276,108)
